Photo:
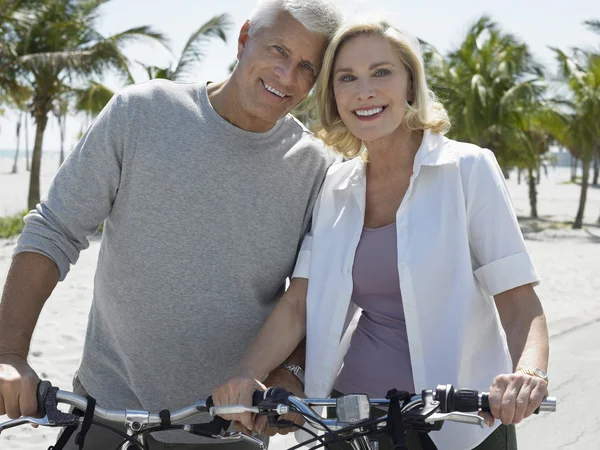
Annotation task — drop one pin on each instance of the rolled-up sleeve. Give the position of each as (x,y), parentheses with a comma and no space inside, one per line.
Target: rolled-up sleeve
(302,268)
(80,196)
(501,258)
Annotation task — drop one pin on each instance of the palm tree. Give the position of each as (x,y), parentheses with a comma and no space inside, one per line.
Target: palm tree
(485,85)
(542,124)
(59,44)
(19,99)
(594,25)
(581,73)
(194,51)
(491,88)
(9,19)
(61,111)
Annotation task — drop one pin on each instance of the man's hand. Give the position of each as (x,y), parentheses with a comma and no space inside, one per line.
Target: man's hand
(514,397)
(18,387)
(238,391)
(282,378)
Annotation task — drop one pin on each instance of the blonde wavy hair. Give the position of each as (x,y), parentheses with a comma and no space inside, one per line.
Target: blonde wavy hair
(425,113)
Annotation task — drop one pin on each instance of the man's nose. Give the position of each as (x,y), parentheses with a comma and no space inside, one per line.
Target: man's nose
(286,73)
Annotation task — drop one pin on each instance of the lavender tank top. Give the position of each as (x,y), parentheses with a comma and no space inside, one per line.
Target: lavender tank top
(378,358)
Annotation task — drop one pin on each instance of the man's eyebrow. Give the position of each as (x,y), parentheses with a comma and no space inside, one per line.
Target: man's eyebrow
(371,67)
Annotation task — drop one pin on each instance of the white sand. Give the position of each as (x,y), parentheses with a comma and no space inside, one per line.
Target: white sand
(14,188)
(567,260)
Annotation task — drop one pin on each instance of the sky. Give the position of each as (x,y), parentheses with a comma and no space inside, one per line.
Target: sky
(442,23)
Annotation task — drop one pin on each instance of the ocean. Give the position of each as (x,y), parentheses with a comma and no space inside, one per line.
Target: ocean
(45,154)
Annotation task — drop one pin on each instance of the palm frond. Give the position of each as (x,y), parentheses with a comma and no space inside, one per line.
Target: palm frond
(593,25)
(194,50)
(56,61)
(137,34)
(92,99)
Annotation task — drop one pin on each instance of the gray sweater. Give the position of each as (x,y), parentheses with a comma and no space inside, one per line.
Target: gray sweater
(203,222)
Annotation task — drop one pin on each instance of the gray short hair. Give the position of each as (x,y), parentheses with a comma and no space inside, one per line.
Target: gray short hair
(317,16)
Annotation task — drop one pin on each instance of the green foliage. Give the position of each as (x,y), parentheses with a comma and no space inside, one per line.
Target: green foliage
(12,226)
(48,46)
(92,98)
(489,85)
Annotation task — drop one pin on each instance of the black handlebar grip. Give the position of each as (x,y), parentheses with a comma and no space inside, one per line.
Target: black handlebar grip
(485,402)
(465,400)
(209,402)
(257,397)
(42,392)
(222,424)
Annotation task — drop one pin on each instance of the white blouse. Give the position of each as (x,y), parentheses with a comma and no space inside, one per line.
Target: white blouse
(459,244)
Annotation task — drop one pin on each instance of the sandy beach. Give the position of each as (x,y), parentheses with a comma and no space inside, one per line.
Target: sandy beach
(567,260)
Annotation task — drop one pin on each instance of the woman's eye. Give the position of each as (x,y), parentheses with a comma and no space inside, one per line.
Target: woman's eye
(347,77)
(279,49)
(382,72)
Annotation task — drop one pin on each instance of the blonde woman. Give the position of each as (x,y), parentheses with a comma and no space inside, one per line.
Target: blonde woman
(416,272)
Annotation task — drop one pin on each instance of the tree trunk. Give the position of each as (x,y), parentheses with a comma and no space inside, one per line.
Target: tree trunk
(15,164)
(585,162)
(519,173)
(573,168)
(36,162)
(532,193)
(539,173)
(27,168)
(596,168)
(62,123)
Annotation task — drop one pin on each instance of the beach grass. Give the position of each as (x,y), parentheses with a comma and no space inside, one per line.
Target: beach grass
(12,226)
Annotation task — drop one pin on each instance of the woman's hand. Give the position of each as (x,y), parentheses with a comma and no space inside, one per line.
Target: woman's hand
(514,397)
(281,378)
(238,391)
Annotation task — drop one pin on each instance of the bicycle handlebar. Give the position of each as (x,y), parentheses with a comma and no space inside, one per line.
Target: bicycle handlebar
(453,406)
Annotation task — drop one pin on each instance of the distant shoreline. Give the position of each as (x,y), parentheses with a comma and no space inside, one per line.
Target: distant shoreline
(11,153)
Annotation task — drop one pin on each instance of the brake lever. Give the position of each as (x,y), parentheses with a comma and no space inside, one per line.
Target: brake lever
(53,418)
(237,435)
(57,418)
(24,420)
(457,417)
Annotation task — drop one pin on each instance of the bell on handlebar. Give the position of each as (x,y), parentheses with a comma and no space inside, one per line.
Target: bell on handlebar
(353,408)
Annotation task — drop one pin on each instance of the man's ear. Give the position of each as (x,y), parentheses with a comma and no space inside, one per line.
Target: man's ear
(243,38)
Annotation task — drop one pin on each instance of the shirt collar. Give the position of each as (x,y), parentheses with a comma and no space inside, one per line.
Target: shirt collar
(434,151)
(356,176)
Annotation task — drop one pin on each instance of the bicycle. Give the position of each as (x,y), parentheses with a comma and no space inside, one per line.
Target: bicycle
(353,422)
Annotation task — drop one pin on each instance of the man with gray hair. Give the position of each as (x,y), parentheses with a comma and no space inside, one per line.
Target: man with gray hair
(206,191)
